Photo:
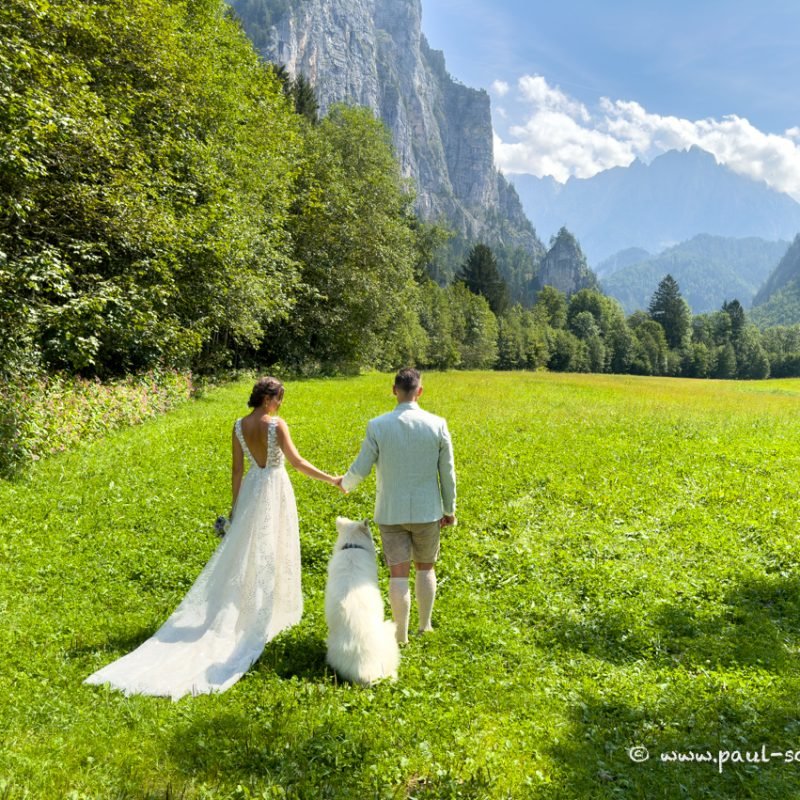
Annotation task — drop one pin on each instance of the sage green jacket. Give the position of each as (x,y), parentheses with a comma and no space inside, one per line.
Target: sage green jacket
(413,454)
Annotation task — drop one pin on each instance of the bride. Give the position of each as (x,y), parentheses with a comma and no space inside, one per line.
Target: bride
(250,589)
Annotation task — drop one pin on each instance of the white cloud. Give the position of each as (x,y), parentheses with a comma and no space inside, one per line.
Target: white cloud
(561,138)
(500,88)
(536,89)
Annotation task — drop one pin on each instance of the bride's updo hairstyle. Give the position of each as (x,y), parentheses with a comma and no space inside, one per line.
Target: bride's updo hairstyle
(266,388)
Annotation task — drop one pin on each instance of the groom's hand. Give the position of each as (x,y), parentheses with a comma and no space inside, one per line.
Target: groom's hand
(447,519)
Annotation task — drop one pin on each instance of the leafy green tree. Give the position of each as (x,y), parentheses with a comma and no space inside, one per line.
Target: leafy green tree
(621,345)
(551,307)
(565,351)
(140,224)
(671,311)
(700,362)
(651,349)
(751,358)
(436,316)
(512,340)
(725,366)
(430,241)
(474,327)
(355,241)
(782,346)
(481,276)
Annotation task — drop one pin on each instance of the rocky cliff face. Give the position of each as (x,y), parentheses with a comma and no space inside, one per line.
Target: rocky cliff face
(373,53)
(565,267)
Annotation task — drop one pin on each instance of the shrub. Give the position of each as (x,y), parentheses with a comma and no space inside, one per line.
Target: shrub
(43,415)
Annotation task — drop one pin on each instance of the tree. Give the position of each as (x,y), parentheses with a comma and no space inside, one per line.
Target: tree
(140,225)
(305,98)
(551,307)
(474,328)
(726,362)
(671,311)
(751,358)
(512,339)
(436,317)
(354,238)
(300,92)
(565,351)
(737,316)
(481,276)
(650,352)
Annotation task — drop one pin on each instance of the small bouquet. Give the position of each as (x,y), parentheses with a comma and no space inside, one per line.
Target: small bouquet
(221,526)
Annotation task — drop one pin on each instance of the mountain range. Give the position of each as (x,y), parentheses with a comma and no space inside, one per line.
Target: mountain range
(777,302)
(654,206)
(373,53)
(708,269)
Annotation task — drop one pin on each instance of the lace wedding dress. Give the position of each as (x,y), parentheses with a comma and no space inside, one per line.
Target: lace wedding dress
(247,593)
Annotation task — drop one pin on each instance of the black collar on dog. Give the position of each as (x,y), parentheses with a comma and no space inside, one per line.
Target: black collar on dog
(351,546)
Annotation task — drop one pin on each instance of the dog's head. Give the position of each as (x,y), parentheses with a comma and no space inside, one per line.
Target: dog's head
(355,533)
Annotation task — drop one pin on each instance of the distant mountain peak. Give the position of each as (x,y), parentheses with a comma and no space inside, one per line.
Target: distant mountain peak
(680,194)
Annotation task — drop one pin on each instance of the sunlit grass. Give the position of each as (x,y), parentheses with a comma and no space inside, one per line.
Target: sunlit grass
(624,572)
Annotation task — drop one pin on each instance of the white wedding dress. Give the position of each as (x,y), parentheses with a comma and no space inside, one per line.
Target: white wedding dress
(247,593)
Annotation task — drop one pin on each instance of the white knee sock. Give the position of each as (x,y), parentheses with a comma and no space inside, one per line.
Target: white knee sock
(400,601)
(426,594)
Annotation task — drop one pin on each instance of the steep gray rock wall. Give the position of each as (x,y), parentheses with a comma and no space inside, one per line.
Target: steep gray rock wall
(373,53)
(564,267)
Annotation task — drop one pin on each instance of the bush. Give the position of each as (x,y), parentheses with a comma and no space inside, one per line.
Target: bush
(42,415)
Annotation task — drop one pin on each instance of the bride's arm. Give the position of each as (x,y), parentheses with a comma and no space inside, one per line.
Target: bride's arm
(237,470)
(296,460)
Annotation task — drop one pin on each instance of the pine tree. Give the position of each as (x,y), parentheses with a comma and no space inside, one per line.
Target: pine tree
(671,311)
(305,98)
(738,319)
(481,276)
(300,91)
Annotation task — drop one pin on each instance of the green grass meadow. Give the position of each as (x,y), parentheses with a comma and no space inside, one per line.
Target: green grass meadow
(624,573)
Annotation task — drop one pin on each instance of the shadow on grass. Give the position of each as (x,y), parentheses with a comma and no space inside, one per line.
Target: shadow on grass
(279,747)
(756,625)
(615,748)
(297,653)
(724,678)
(115,645)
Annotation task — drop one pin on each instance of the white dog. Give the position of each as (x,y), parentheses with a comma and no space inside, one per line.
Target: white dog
(361,644)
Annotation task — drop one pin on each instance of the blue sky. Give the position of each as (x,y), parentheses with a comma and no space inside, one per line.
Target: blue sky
(579,86)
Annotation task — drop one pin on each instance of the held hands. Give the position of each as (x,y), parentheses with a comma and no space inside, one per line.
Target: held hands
(447,519)
(338,483)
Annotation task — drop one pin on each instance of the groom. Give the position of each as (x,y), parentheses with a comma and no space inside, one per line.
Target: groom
(416,494)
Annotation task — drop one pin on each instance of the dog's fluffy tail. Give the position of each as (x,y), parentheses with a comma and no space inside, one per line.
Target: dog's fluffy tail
(367,662)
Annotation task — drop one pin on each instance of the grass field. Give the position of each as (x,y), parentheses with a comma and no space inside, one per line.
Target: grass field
(625,573)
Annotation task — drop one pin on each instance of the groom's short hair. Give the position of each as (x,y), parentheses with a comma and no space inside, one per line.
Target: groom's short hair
(407,380)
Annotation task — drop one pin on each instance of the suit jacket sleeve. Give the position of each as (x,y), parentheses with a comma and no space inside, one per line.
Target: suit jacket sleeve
(361,467)
(447,472)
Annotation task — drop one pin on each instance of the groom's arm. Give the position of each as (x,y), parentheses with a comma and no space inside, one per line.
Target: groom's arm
(447,472)
(363,464)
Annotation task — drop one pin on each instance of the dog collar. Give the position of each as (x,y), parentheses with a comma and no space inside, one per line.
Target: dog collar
(351,546)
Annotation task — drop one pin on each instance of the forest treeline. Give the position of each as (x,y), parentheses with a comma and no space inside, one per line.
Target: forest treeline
(169,200)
